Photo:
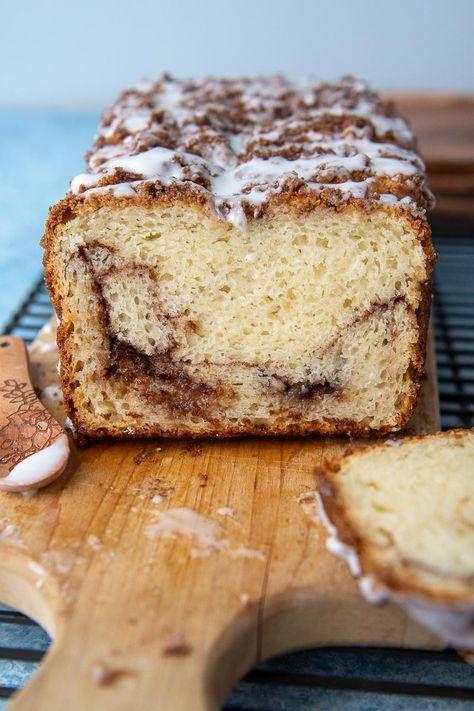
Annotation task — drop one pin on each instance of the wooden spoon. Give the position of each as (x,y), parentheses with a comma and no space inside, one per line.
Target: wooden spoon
(34,449)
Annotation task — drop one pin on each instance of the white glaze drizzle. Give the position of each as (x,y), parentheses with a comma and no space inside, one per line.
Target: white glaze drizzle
(68,424)
(453,623)
(210,147)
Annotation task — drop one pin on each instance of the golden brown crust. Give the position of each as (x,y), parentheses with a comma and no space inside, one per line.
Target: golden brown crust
(398,578)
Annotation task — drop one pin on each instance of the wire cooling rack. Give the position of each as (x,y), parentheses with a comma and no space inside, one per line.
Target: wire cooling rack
(336,678)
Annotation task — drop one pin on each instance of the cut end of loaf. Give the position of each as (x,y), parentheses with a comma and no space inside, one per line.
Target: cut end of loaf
(406,509)
(174,322)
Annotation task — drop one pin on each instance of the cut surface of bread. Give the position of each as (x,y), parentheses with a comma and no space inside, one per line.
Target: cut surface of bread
(404,511)
(187,308)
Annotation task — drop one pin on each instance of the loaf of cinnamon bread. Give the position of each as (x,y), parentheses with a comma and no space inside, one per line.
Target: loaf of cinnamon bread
(243,256)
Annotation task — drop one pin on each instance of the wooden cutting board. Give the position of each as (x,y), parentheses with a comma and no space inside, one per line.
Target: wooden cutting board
(164,570)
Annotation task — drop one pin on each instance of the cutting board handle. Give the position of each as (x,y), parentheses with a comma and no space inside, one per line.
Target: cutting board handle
(118,670)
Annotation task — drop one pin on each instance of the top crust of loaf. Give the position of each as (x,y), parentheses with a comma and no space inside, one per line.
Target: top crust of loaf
(402,576)
(241,146)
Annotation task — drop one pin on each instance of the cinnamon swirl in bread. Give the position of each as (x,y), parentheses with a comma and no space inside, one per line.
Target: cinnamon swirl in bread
(243,256)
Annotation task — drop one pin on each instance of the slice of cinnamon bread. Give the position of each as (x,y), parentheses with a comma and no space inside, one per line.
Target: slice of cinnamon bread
(402,515)
(243,256)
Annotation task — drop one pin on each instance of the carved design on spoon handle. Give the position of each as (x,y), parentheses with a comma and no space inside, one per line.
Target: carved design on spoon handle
(27,430)
(33,447)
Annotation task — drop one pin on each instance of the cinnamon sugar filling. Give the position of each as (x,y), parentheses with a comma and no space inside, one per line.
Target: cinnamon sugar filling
(164,381)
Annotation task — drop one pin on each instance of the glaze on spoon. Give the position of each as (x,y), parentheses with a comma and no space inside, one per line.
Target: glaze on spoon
(33,447)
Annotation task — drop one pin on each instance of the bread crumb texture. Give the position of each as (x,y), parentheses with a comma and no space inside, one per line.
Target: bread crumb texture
(411,509)
(174,321)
